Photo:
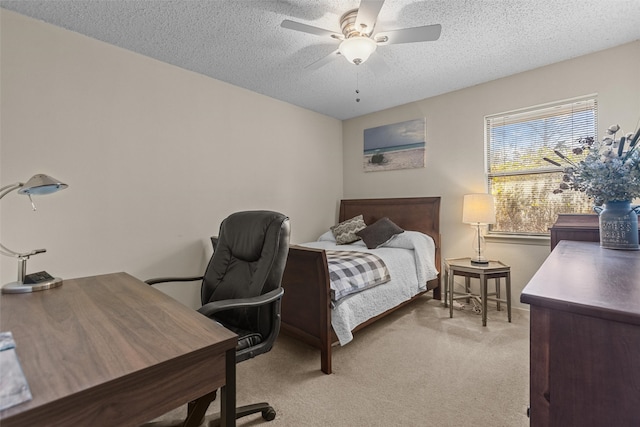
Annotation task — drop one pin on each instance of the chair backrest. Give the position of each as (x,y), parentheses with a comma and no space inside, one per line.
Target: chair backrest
(248,261)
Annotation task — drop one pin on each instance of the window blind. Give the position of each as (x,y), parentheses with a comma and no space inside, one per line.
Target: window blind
(517,142)
(519,178)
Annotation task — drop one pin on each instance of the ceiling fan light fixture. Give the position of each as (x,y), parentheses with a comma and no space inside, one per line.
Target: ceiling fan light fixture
(357,49)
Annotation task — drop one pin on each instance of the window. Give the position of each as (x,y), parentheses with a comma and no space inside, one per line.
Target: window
(518,177)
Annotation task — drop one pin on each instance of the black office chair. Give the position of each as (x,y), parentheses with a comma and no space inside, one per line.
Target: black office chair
(241,289)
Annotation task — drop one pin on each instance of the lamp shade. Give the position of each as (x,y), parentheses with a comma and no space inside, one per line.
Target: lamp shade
(479,209)
(38,185)
(41,184)
(357,49)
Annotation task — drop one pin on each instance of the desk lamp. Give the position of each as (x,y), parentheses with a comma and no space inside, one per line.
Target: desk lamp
(477,210)
(38,185)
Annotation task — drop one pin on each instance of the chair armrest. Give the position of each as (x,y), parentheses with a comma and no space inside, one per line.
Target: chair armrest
(172,279)
(213,307)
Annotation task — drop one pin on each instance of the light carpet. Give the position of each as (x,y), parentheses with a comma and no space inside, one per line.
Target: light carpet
(416,367)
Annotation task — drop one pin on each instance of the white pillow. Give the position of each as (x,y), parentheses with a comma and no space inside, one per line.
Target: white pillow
(327,237)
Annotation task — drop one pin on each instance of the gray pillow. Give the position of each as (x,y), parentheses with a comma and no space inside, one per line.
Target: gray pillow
(345,232)
(379,233)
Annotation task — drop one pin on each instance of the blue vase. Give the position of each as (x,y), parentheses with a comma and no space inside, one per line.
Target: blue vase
(618,225)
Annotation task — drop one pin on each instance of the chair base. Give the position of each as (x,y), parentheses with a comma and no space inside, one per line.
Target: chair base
(194,412)
(267,411)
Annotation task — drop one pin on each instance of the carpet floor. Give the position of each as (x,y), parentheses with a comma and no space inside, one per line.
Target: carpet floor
(416,367)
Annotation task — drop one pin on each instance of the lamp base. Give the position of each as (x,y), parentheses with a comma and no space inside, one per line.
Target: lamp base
(21,288)
(479,262)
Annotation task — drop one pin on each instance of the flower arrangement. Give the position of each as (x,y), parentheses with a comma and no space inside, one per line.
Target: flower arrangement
(609,171)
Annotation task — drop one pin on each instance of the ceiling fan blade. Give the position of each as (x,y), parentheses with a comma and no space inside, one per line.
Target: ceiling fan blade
(324,60)
(426,33)
(297,26)
(367,15)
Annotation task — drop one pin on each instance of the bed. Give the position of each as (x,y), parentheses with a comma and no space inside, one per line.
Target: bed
(307,304)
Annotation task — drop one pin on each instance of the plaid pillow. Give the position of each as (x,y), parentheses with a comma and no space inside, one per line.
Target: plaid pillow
(345,232)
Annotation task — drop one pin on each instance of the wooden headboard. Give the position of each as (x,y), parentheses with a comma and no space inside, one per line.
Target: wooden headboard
(413,213)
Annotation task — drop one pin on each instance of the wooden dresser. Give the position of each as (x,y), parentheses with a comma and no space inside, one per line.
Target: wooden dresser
(585,337)
(580,227)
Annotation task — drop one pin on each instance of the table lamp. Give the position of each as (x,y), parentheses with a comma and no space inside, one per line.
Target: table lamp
(38,185)
(477,210)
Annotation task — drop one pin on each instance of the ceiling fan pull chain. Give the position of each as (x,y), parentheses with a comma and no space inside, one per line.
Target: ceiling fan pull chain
(357,87)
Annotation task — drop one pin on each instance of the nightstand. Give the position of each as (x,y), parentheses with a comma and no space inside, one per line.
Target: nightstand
(462,267)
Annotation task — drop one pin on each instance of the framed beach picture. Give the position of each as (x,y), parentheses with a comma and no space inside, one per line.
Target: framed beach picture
(395,146)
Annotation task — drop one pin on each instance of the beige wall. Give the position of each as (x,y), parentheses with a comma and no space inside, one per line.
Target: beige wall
(155,157)
(455,141)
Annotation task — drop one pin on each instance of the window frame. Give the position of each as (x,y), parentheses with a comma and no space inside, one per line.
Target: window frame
(523,115)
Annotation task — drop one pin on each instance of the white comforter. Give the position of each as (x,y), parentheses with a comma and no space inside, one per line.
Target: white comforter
(409,256)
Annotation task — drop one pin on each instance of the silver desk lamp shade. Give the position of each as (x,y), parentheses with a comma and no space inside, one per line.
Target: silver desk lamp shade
(41,184)
(38,185)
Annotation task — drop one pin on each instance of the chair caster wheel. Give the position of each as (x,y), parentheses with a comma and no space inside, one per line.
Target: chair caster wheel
(269,414)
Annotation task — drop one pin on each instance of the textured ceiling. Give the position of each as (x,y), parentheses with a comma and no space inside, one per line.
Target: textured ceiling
(241,42)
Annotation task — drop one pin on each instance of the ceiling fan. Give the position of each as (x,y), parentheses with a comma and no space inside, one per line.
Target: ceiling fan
(358,40)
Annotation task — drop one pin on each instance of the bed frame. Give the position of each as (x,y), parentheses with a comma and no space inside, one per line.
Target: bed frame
(306,312)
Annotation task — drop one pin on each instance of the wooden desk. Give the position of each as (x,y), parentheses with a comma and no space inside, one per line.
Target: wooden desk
(112,351)
(585,337)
